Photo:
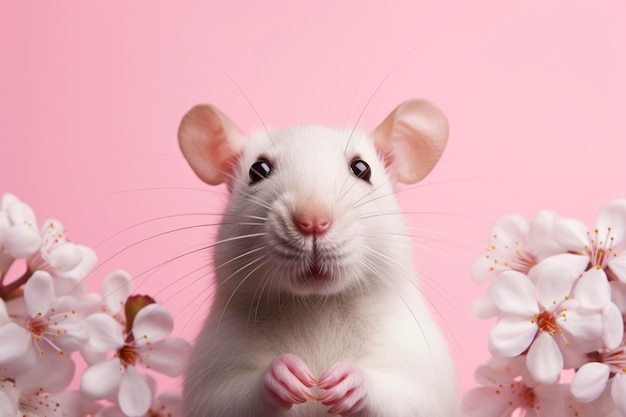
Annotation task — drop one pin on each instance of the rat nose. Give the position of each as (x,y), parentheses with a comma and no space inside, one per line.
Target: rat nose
(312,222)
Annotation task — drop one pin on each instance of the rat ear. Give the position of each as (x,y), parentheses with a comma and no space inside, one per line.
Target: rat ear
(412,139)
(211,143)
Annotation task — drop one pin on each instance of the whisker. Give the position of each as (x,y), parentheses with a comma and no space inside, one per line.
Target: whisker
(254,109)
(136,190)
(384,280)
(476,243)
(152,237)
(203,248)
(378,87)
(154,219)
(244,279)
(394,264)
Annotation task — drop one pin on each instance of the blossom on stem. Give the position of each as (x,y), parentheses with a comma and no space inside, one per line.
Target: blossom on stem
(168,404)
(41,391)
(19,237)
(532,327)
(515,245)
(593,378)
(50,325)
(504,390)
(603,247)
(60,257)
(146,347)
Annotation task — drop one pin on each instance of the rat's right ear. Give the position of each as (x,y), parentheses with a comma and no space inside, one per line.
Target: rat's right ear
(211,143)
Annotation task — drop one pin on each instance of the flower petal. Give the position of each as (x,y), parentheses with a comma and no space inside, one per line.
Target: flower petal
(101,379)
(74,335)
(39,293)
(53,373)
(135,395)
(484,268)
(575,263)
(116,288)
(484,402)
(612,326)
(167,356)
(509,231)
(70,404)
(590,381)
(581,324)
(8,404)
(541,235)
(488,375)
(19,355)
(511,336)
(612,217)
(151,323)
(105,333)
(4,314)
(618,295)
(171,403)
(88,261)
(6,200)
(513,293)
(617,266)
(21,213)
(592,289)
(110,412)
(21,241)
(544,359)
(484,308)
(64,257)
(554,281)
(618,392)
(571,234)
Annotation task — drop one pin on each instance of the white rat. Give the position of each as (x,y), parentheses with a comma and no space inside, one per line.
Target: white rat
(317,310)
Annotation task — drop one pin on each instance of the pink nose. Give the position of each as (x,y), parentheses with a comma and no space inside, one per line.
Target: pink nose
(312,224)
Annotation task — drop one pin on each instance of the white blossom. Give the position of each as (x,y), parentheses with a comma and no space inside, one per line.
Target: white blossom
(147,348)
(604,246)
(50,326)
(534,323)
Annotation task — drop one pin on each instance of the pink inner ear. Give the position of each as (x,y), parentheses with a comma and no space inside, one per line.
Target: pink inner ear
(211,144)
(412,139)
(388,158)
(230,165)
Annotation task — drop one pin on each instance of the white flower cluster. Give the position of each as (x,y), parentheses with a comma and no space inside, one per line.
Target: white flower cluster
(558,292)
(48,320)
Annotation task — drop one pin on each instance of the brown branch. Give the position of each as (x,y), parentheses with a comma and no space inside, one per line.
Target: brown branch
(6,290)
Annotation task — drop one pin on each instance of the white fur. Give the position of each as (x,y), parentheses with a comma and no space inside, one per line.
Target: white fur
(368,310)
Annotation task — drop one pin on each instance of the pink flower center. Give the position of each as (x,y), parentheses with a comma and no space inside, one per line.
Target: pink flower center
(39,403)
(158,413)
(600,249)
(520,396)
(616,359)
(128,355)
(48,327)
(546,321)
(517,258)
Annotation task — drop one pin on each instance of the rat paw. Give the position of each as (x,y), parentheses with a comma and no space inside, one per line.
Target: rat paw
(344,389)
(288,381)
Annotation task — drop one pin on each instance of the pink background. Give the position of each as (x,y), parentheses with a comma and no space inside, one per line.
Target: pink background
(91,94)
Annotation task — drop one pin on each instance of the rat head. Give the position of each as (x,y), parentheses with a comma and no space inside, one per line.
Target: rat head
(312,209)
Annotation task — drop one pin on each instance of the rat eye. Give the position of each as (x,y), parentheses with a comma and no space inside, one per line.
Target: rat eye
(361,170)
(260,170)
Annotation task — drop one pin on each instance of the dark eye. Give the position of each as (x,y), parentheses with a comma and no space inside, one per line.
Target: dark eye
(361,169)
(260,170)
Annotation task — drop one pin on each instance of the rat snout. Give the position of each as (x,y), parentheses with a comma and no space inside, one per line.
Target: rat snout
(312,221)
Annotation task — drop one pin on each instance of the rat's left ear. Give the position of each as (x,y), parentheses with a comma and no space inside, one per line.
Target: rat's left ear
(411,139)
